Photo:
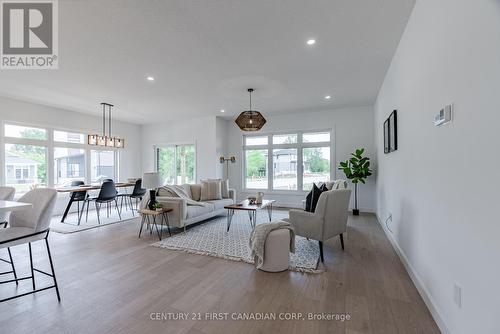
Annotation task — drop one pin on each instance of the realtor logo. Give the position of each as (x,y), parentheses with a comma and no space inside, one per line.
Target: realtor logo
(29,34)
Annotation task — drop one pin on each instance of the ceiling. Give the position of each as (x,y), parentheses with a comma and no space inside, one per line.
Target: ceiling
(205,54)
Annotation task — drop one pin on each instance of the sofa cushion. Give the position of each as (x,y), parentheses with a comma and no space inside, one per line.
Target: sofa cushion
(195,191)
(219,204)
(164,192)
(211,190)
(196,210)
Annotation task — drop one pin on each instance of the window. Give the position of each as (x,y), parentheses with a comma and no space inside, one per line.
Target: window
(38,157)
(256,169)
(316,137)
(298,159)
(16,131)
(253,141)
(69,137)
(102,165)
(316,166)
(69,165)
(285,139)
(285,169)
(176,164)
(25,166)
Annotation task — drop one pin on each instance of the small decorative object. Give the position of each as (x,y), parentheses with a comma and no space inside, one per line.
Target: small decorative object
(258,198)
(151,181)
(158,207)
(250,120)
(252,200)
(231,159)
(106,140)
(391,133)
(356,169)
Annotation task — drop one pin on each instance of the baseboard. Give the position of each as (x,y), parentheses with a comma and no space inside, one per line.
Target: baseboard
(422,289)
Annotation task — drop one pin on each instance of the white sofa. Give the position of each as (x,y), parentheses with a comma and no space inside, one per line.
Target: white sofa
(184,214)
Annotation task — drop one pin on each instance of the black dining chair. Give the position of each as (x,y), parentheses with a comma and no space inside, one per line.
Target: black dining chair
(136,194)
(107,195)
(78,196)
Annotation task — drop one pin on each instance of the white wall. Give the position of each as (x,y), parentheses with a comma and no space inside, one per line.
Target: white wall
(352,128)
(38,115)
(442,185)
(199,131)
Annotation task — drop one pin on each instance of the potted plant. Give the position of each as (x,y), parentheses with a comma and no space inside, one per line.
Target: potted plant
(158,207)
(356,169)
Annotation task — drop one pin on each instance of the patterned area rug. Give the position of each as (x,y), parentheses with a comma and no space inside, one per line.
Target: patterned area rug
(210,238)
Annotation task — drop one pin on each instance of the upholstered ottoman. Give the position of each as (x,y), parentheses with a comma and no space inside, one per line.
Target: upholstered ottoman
(277,251)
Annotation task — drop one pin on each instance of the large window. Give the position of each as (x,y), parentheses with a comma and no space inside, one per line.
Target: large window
(256,169)
(176,163)
(102,165)
(40,157)
(69,165)
(25,166)
(297,159)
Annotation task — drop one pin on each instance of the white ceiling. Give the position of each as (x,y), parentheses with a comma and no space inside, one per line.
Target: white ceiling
(205,54)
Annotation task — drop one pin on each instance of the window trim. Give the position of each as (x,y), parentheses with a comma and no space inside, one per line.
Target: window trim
(300,145)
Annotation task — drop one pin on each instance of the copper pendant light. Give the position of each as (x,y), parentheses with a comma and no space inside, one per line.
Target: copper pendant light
(250,120)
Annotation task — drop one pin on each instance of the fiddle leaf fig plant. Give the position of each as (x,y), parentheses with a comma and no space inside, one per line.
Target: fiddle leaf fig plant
(357,169)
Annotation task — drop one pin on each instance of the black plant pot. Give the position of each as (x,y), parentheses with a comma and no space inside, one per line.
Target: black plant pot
(355,211)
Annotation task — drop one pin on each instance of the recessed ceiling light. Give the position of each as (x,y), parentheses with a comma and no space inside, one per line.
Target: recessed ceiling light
(222,110)
(311,42)
(328,97)
(150,78)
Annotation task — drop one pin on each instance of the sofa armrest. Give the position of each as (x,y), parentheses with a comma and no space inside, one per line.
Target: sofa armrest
(307,224)
(178,206)
(232,195)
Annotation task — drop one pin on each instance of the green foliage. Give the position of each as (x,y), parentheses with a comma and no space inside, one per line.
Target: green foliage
(256,162)
(357,168)
(157,205)
(183,166)
(317,164)
(35,153)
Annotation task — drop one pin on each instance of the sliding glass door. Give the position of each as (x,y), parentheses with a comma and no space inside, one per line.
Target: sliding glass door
(176,163)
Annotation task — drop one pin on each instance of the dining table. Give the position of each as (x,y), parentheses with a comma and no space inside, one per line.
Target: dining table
(75,190)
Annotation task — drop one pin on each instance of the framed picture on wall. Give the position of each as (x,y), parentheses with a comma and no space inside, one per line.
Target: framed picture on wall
(387,145)
(393,131)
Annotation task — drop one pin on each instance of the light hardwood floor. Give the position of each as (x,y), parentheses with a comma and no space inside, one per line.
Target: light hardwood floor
(111,281)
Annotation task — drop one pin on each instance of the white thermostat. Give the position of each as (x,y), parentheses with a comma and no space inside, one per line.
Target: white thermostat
(444,116)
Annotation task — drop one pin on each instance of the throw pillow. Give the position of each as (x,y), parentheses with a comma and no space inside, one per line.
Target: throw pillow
(316,193)
(224,187)
(196,192)
(308,201)
(211,190)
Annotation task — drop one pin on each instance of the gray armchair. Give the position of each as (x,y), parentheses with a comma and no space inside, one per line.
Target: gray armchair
(329,219)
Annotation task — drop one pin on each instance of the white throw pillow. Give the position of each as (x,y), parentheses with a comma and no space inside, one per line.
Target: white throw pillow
(211,190)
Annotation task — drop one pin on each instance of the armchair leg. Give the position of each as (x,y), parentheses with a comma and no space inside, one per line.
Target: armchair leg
(321,252)
(342,240)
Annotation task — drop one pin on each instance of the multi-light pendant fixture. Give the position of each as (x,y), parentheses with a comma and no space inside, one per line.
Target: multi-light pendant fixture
(106,140)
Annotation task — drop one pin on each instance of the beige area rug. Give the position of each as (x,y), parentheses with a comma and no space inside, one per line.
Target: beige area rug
(210,238)
(70,224)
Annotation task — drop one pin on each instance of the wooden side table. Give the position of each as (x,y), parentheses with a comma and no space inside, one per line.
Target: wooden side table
(153,214)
